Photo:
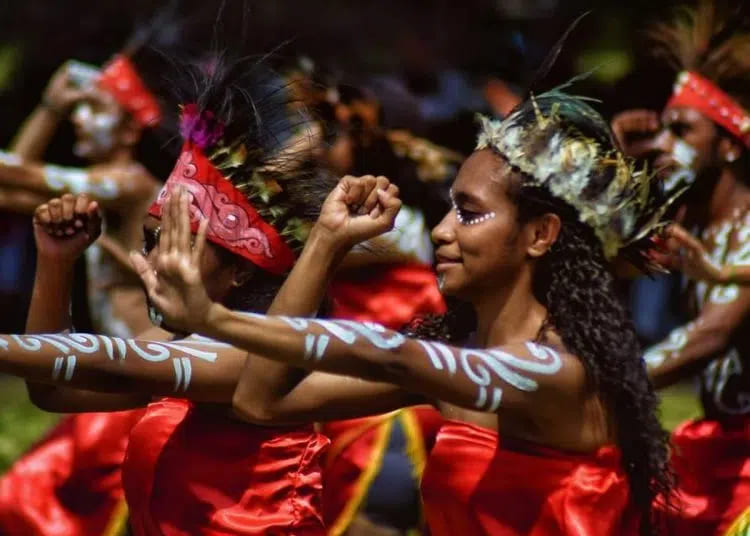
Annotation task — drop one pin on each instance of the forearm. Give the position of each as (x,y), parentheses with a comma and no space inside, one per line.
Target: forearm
(685,352)
(267,391)
(49,310)
(199,370)
(472,378)
(34,136)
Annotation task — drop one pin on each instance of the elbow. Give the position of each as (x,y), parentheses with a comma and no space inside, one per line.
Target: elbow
(253,412)
(44,397)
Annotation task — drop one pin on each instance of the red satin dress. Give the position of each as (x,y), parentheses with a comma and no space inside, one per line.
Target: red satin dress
(69,483)
(391,296)
(474,486)
(712,460)
(190,471)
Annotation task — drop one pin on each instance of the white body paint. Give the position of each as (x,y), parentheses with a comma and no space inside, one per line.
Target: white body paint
(10,159)
(480,366)
(78,181)
(115,348)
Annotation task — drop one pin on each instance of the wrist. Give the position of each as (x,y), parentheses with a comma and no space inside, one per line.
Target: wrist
(325,246)
(54,109)
(215,315)
(726,274)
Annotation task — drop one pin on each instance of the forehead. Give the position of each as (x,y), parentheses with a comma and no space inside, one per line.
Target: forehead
(483,176)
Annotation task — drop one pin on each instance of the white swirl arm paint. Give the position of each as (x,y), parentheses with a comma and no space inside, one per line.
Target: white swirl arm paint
(477,379)
(195,367)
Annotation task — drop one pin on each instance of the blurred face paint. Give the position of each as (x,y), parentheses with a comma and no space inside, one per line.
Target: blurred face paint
(683,154)
(96,130)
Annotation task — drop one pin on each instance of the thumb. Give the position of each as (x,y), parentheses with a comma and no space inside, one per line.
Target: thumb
(144,271)
(391,206)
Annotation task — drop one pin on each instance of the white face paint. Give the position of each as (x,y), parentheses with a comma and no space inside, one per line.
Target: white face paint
(684,155)
(463,219)
(97,129)
(79,181)
(115,348)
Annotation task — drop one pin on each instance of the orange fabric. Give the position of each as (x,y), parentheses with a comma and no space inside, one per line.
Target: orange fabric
(712,461)
(69,484)
(474,486)
(194,472)
(391,296)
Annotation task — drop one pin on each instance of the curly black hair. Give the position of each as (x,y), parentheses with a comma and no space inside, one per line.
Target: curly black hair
(574,282)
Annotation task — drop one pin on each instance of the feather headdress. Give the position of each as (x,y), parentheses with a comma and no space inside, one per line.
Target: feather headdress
(559,142)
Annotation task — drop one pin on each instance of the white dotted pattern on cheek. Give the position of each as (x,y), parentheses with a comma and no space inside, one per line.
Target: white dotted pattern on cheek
(474,221)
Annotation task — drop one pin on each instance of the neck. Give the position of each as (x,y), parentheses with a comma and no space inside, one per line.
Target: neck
(118,156)
(510,314)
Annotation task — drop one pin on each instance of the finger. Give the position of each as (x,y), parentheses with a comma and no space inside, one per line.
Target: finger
(80,209)
(68,207)
(372,186)
(41,215)
(164,235)
(93,220)
(200,242)
(391,206)
(55,211)
(354,193)
(144,270)
(174,219)
(183,231)
(685,239)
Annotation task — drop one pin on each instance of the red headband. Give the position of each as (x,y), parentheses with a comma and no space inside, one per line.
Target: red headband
(120,79)
(694,91)
(234,224)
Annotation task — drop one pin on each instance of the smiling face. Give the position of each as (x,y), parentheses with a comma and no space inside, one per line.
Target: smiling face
(480,244)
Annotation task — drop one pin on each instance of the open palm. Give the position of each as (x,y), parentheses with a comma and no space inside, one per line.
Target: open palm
(173,282)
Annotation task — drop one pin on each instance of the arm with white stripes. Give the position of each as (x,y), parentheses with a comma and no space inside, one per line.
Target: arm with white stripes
(195,367)
(487,379)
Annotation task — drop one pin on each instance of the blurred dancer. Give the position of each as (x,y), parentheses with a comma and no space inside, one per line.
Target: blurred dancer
(703,137)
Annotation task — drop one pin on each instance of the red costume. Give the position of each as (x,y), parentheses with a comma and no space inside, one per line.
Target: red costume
(711,460)
(190,471)
(391,296)
(475,485)
(69,484)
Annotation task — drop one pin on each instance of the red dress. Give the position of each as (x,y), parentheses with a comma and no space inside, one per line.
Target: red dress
(69,483)
(472,485)
(392,296)
(712,461)
(190,471)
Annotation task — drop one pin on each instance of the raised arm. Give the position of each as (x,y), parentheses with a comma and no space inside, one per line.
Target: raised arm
(276,393)
(517,376)
(32,139)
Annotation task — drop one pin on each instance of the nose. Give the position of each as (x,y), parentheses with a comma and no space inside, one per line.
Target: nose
(445,231)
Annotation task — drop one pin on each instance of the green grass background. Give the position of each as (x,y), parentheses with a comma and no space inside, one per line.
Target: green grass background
(21,423)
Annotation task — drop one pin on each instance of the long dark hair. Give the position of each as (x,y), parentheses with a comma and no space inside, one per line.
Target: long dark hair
(574,282)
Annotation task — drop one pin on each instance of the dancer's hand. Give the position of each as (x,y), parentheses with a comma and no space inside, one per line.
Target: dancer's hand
(64,227)
(682,251)
(61,93)
(634,130)
(174,283)
(359,208)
